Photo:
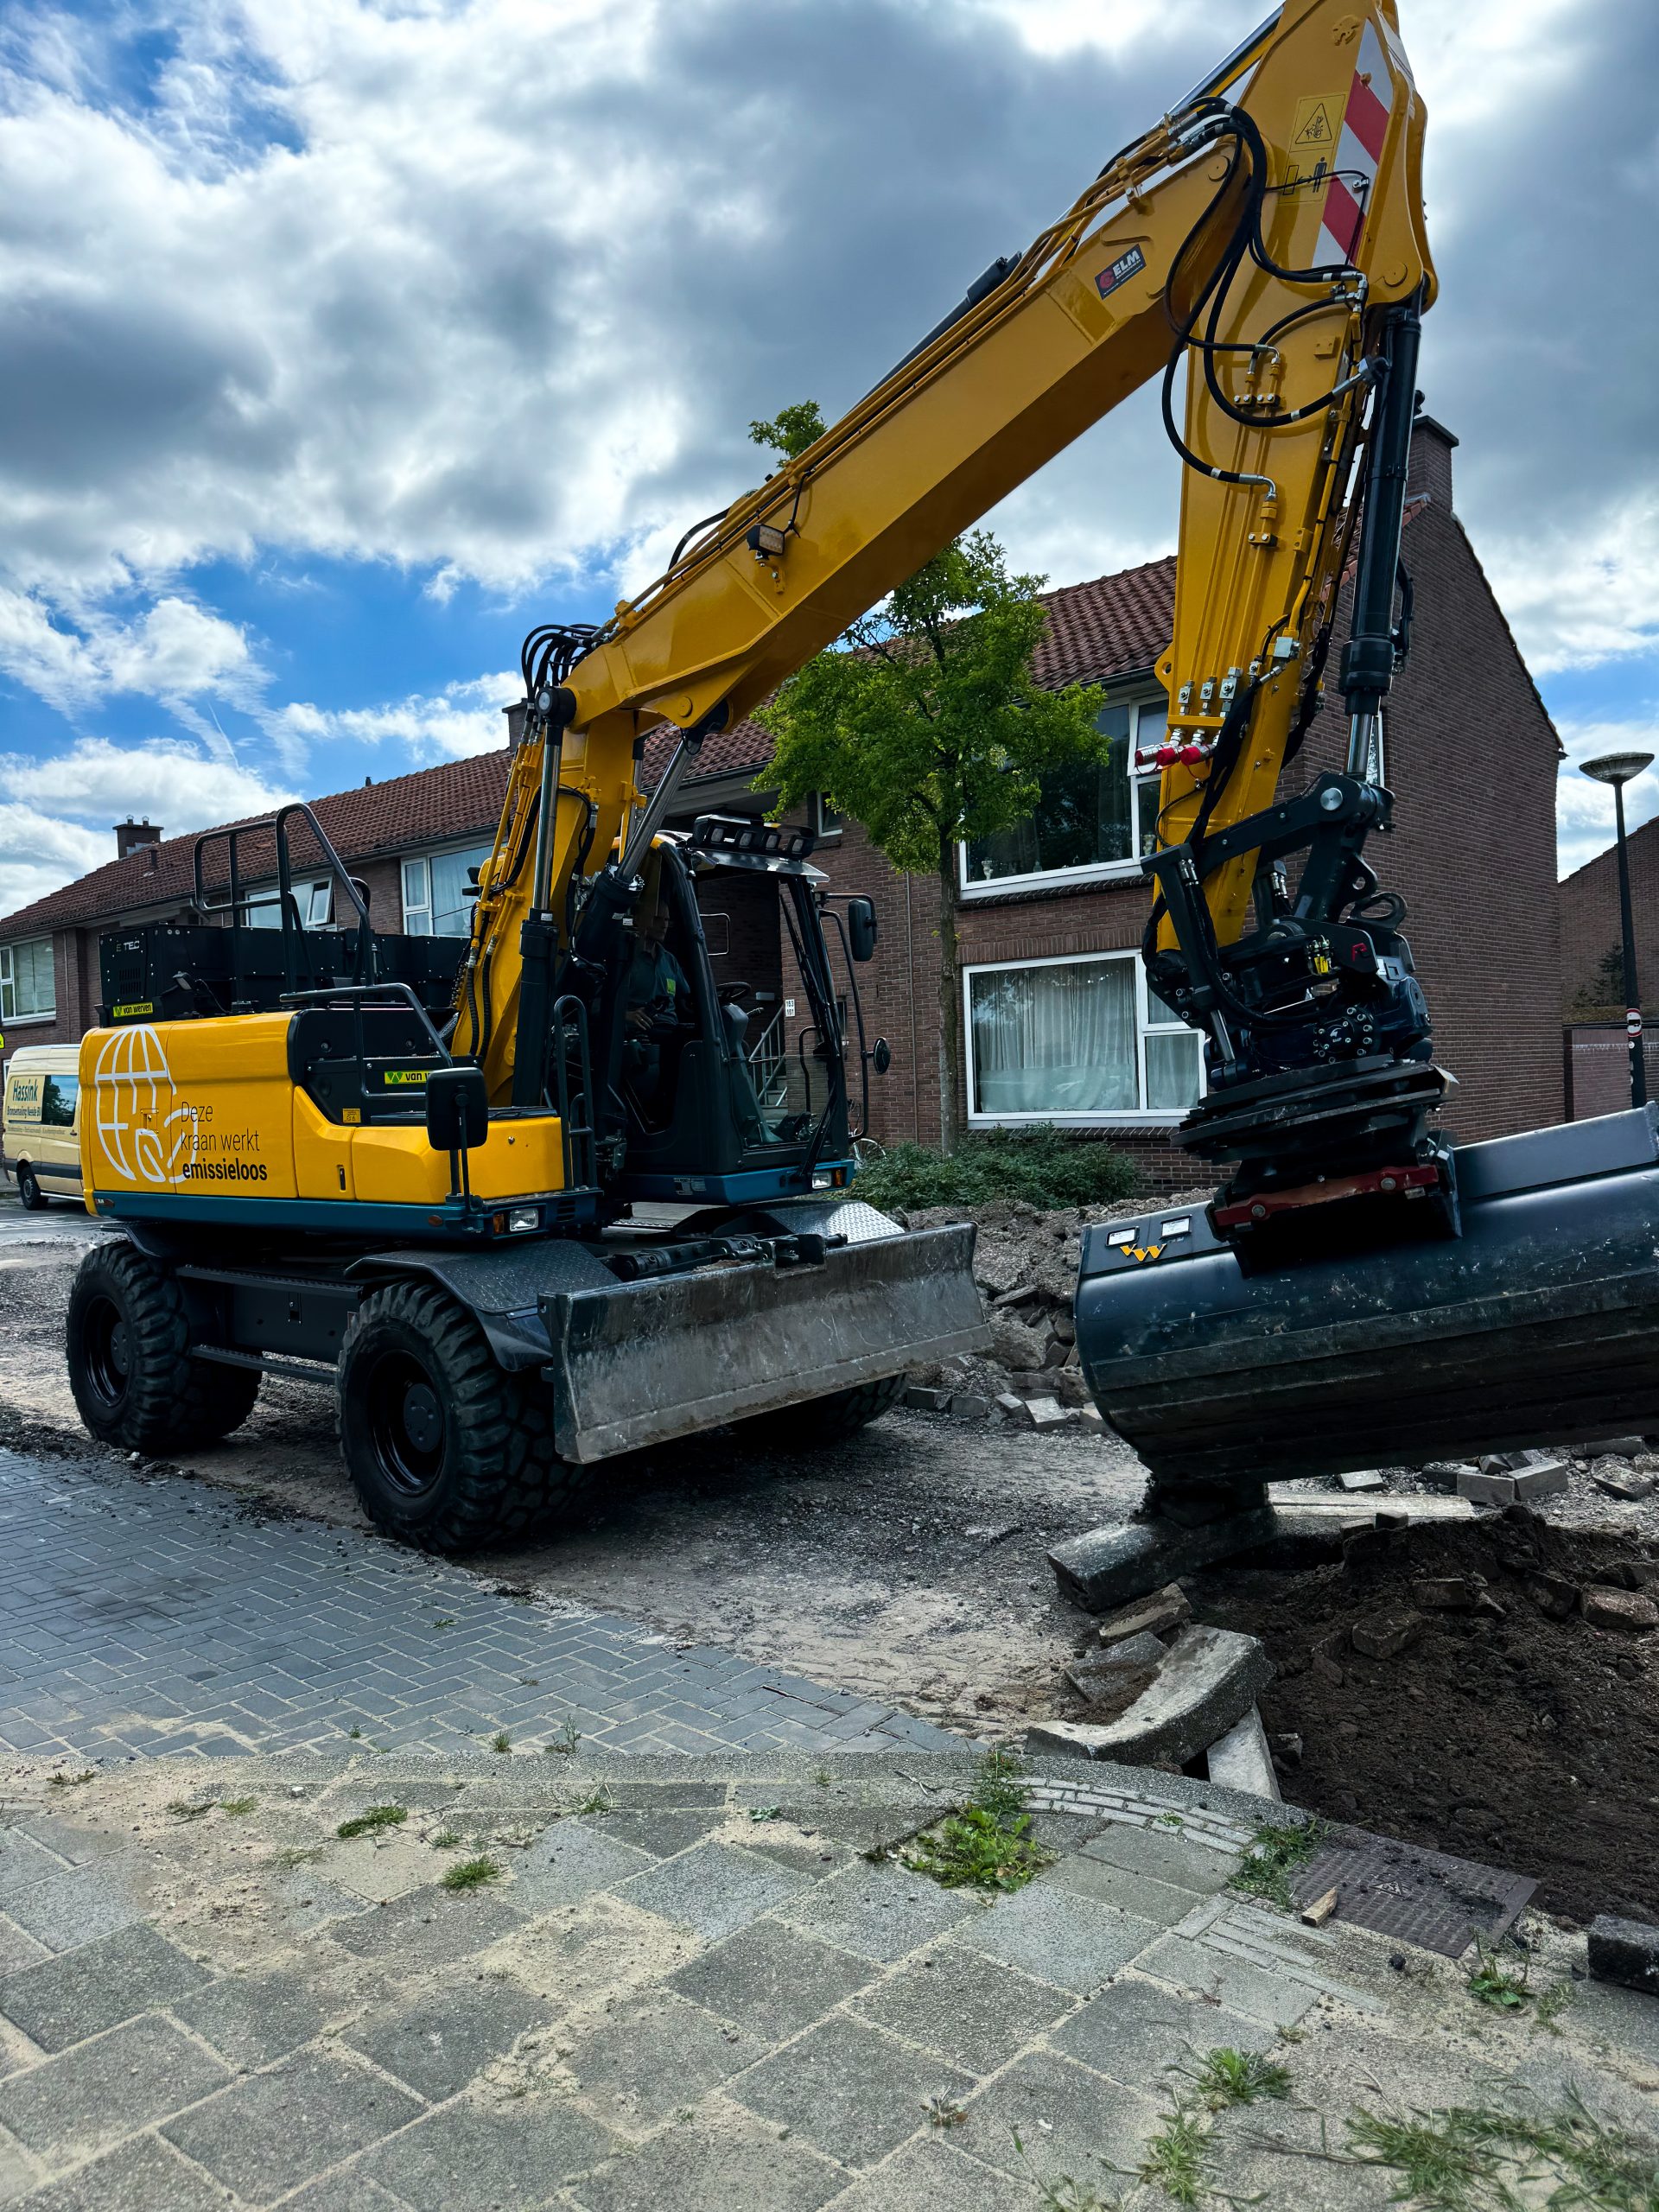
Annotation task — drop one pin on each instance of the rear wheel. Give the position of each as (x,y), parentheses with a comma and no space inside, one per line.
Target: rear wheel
(29,1190)
(816,1422)
(445,1448)
(135,1382)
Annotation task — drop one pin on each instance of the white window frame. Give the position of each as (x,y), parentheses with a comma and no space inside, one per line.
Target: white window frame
(423,860)
(1138,1117)
(305,890)
(824,820)
(1127,871)
(9,1018)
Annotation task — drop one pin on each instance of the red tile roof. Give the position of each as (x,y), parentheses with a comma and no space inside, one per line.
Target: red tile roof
(1114,625)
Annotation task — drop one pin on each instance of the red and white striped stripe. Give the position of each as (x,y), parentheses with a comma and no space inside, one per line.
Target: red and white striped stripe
(1359,148)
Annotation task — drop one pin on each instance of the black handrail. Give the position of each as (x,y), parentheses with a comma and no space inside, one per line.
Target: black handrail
(364,961)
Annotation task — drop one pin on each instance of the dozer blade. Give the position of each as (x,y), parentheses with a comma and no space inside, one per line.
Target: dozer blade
(638,1363)
(1540,1324)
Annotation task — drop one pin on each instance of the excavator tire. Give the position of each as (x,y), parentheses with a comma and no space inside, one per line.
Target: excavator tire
(447,1450)
(130,1365)
(818,1422)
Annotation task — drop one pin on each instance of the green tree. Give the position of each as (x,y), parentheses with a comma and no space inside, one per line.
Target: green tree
(795,429)
(925,724)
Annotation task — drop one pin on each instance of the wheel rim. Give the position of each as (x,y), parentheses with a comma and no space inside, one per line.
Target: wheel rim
(107,1350)
(407,1431)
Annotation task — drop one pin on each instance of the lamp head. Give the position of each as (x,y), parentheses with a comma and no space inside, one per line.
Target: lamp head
(1617,768)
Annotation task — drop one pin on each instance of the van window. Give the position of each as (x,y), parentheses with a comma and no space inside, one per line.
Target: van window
(58,1101)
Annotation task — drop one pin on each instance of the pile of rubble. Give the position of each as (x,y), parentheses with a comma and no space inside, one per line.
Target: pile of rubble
(1026,1267)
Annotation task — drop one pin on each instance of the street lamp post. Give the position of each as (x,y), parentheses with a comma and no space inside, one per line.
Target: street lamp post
(1617,769)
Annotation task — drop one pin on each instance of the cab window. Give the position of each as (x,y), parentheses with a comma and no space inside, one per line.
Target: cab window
(58,1097)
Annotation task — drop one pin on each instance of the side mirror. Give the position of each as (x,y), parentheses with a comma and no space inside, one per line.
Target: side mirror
(457,1109)
(882,1055)
(860,928)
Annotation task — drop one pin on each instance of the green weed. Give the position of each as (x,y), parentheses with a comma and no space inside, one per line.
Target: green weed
(1274,1854)
(500,1741)
(470,1874)
(69,1781)
(1224,2077)
(1174,2156)
(987,1844)
(1471,2160)
(237,1806)
(183,1809)
(1493,1982)
(369,1823)
(297,1854)
(1548,2008)
(1041,1166)
(564,1744)
(764,1812)
(597,1801)
(446,1839)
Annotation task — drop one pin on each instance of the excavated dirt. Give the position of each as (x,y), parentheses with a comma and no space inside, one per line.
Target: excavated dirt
(1500,1734)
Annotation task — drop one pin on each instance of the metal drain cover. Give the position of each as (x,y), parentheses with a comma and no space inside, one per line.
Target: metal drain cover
(1423,1896)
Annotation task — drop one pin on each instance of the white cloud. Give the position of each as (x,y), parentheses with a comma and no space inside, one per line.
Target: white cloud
(1576,597)
(39,852)
(173,652)
(100,782)
(464,717)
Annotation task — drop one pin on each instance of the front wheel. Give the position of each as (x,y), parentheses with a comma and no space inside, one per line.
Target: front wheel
(128,1347)
(445,1448)
(29,1190)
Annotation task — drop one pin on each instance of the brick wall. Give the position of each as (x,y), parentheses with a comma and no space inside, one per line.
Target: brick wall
(1591,928)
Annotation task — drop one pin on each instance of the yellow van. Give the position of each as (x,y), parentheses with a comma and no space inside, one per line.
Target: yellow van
(40,1128)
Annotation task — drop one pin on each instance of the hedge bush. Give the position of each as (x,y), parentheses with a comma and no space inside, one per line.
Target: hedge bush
(1041,1165)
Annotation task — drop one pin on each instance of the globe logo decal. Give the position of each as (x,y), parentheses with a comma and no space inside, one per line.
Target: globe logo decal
(143,1134)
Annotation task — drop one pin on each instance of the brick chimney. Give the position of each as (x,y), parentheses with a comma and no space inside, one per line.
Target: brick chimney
(1429,470)
(515,715)
(130,834)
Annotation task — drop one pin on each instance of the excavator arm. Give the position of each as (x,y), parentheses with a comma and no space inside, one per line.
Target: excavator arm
(1261,245)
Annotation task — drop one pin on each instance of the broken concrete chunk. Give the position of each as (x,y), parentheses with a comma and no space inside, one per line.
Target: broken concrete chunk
(1104,1673)
(927,1401)
(1107,1567)
(968,1405)
(1012,1403)
(1482,1488)
(1047,1413)
(1209,1680)
(1240,1759)
(1540,1477)
(1625,1609)
(1364,1479)
(1445,1474)
(1449,1594)
(1553,1595)
(1164,1610)
(1615,1447)
(1625,1951)
(1386,1634)
(1618,1478)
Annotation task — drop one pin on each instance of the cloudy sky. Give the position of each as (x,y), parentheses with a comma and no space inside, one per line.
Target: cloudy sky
(340,341)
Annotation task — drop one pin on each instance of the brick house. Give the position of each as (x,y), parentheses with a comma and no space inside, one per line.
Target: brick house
(1592,989)
(1056,1022)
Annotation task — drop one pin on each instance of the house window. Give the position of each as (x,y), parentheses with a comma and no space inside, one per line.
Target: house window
(1094,819)
(824,818)
(1076,1039)
(315,902)
(439,891)
(27,992)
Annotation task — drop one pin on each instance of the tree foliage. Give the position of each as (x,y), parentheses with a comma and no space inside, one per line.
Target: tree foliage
(932,727)
(793,430)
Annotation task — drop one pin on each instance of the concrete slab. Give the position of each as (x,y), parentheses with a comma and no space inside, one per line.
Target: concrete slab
(1241,1759)
(1107,1567)
(850,2091)
(1208,1680)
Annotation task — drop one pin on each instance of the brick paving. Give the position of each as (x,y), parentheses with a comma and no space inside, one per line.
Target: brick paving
(142,1614)
(690,1988)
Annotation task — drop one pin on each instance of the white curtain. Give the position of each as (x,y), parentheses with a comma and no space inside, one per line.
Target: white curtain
(452,898)
(1055,1040)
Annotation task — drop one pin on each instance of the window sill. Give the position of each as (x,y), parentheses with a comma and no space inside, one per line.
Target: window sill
(1024,887)
(29,1020)
(1162,1117)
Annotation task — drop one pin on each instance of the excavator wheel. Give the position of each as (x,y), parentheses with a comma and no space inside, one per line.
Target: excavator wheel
(130,1365)
(819,1422)
(446,1451)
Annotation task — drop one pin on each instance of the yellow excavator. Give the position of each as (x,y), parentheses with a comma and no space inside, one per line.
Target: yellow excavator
(328,1156)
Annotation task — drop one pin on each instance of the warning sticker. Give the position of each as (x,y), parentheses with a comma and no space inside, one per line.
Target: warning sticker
(1317,120)
(1126,265)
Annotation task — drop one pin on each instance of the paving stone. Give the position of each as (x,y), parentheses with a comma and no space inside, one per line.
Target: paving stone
(253,2019)
(82,2100)
(1069,2130)
(1625,1950)
(1059,1937)
(879,1912)
(1301,2176)
(667,1830)
(863,1827)
(438,2042)
(721,2158)
(348,2190)
(1165,1853)
(80,1993)
(464,2159)
(1134,2032)
(269,2132)
(928,2175)
(23,1862)
(1160,1903)
(430,1927)
(652,2055)
(1108,1567)
(770,1978)
(570,1862)
(852,2092)
(145,2175)
(77,1905)
(975,2011)
(18,1950)
(1231,1981)
(715,1888)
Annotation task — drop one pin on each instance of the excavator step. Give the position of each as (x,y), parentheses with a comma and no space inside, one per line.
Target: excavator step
(1540,1323)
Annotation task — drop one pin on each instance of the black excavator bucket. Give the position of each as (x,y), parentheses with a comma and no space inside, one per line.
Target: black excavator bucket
(1540,1324)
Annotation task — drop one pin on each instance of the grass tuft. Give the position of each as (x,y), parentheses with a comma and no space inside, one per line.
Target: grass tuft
(500,1741)
(1043,1166)
(1174,2157)
(563,1746)
(1473,2161)
(1274,1854)
(238,1805)
(987,1844)
(1491,1981)
(369,1823)
(470,1874)
(297,1854)
(1224,2077)
(597,1801)
(446,1839)
(69,1781)
(183,1809)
